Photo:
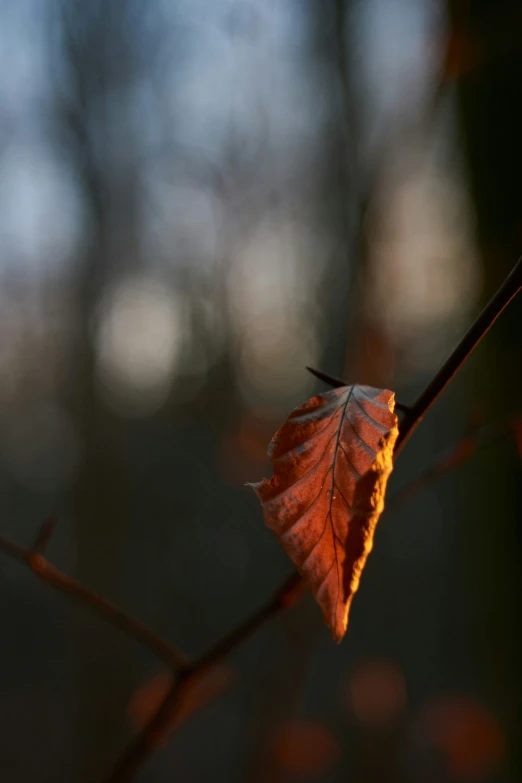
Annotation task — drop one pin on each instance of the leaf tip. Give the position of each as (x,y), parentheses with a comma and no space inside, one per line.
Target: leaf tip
(257,486)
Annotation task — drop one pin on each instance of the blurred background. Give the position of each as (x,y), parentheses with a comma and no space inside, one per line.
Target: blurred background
(197,199)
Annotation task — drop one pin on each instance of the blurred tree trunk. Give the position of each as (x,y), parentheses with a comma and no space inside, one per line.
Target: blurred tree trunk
(95,57)
(335,208)
(486,53)
(337,189)
(101,517)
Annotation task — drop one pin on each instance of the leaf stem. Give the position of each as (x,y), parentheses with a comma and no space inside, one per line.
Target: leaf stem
(507,291)
(336,383)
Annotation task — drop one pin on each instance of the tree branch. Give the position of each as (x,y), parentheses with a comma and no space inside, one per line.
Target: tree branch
(414,414)
(336,383)
(466,448)
(146,742)
(507,291)
(153,735)
(44,570)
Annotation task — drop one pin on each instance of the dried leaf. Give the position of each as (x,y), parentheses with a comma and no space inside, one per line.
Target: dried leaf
(332,459)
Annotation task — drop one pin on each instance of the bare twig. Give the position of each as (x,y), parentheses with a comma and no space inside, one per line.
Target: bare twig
(415,413)
(331,380)
(286,596)
(145,743)
(507,291)
(44,570)
(152,736)
(46,532)
(148,741)
(466,448)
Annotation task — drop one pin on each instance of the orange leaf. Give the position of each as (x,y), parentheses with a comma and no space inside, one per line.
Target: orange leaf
(332,459)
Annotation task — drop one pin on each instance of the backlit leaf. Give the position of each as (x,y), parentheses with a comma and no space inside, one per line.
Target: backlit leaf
(332,459)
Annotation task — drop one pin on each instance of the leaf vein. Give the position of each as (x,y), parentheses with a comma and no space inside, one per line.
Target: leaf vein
(359,437)
(336,485)
(307,440)
(349,460)
(317,542)
(369,416)
(300,517)
(336,559)
(305,475)
(373,400)
(325,577)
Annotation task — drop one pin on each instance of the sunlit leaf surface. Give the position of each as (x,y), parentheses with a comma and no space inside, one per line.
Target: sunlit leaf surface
(332,459)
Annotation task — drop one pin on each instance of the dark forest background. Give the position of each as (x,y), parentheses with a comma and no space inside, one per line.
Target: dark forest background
(197,199)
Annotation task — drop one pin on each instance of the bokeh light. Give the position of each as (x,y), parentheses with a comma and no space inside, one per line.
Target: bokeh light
(375,692)
(140,330)
(469,737)
(305,748)
(274,352)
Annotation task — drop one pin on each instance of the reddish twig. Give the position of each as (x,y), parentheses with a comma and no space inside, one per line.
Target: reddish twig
(152,736)
(44,570)
(414,414)
(44,535)
(336,383)
(468,446)
(145,744)
(497,304)
(148,741)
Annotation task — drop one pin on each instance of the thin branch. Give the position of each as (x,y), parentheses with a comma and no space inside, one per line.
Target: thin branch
(286,596)
(45,534)
(507,291)
(145,744)
(44,570)
(466,448)
(331,380)
(414,414)
(336,383)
